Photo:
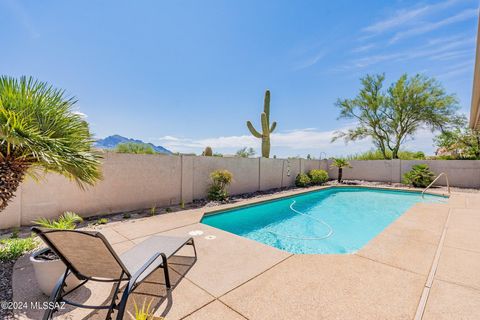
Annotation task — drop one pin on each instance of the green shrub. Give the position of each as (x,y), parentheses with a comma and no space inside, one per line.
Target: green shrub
(221,179)
(13,248)
(168,210)
(318,176)
(135,147)
(102,221)
(420,176)
(153,210)
(302,180)
(127,215)
(15,232)
(377,155)
(67,221)
(208,152)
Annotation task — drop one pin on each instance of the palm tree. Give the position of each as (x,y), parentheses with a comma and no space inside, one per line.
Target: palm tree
(40,130)
(340,164)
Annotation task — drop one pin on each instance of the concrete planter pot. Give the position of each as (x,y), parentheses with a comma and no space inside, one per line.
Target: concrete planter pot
(48,272)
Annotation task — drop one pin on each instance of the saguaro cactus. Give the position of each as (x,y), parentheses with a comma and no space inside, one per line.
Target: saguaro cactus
(266,128)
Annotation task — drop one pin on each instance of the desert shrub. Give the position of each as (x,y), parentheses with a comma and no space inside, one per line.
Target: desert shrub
(13,248)
(135,147)
(67,221)
(208,152)
(377,155)
(318,176)
(153,210)
(221,179)
(419,176)
(302,180)
(102,221)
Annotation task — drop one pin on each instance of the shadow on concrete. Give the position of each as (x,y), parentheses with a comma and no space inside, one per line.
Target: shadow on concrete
(152,290)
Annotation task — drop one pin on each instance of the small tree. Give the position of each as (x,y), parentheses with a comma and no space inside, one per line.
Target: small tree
(221,179)
(390,118)
(134,147)
(461,141)
(340,164)
(40,130)
(245,153)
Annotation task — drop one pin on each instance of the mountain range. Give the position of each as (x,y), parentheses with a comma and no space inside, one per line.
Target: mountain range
(111,142)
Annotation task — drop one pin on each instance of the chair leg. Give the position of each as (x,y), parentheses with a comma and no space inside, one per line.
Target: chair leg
(123,302)
(55,296)
(194,249)
(114,301)
(165,271)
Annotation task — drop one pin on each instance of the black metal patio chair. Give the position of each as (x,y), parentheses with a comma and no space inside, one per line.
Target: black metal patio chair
(90,257)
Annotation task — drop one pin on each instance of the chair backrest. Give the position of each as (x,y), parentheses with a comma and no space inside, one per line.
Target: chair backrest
(87,253)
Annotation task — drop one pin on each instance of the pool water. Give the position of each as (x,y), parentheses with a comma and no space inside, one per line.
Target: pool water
(335,220)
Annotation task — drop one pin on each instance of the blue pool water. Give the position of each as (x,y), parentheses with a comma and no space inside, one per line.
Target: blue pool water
(335,220)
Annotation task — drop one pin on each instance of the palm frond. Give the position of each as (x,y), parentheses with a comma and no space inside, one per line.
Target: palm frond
(38,126)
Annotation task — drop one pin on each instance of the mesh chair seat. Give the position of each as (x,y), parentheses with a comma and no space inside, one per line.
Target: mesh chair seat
(134,258)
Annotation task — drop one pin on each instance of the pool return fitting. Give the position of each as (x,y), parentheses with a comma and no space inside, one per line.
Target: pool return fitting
(328,235)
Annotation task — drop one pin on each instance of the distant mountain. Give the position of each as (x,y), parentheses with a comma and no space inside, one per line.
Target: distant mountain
(111,142)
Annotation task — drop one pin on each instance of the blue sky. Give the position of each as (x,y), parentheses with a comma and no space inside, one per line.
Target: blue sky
(186,74)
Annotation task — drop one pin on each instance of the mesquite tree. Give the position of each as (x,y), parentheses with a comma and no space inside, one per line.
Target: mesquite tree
(391,117)
(40,131)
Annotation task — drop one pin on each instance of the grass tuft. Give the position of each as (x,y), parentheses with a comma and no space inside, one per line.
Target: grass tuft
(13,248)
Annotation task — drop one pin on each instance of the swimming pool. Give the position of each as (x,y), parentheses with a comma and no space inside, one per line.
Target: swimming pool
(333,220)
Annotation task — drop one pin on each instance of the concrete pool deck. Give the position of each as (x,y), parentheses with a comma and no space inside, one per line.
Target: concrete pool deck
(423,266)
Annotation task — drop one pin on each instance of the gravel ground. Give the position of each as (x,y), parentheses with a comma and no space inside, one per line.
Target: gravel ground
(6,292)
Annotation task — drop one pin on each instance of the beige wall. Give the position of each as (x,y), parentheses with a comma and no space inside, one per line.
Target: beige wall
(142,181)
(461,173)
(370,170)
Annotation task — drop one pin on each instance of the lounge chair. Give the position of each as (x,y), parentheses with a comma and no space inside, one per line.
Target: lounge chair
(89,256)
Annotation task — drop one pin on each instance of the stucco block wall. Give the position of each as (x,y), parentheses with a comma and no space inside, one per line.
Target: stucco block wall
(369,170)
(461,173)
(271,173)
(245,174)
(142,181)
(308,165)
(130,182)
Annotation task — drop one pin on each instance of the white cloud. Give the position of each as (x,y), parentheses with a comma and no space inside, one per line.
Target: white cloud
(290,143)
(432,49)
(81,114)
(364,48)
(455,54)
(403,17)
(456,70)
(311,61)
(431,26)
